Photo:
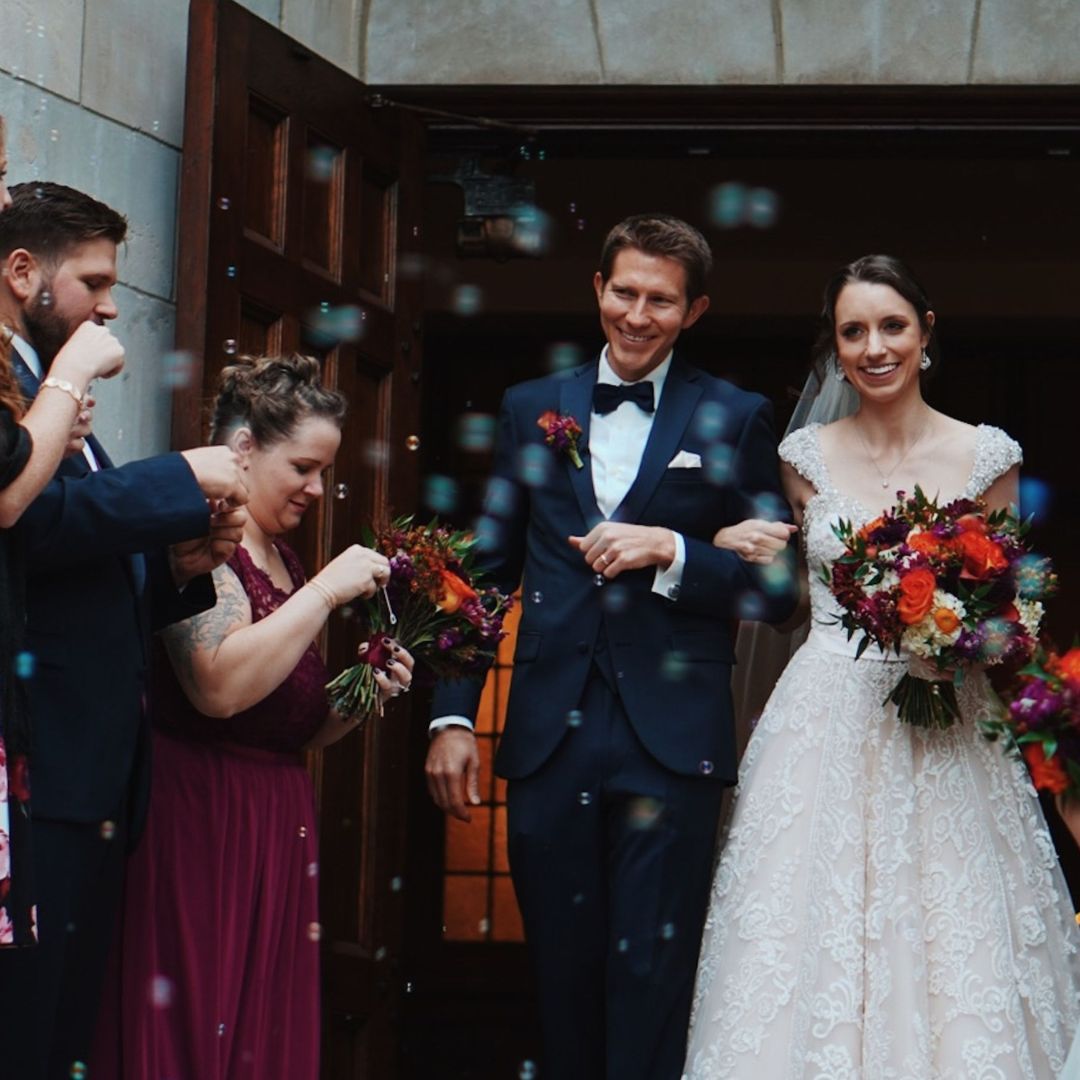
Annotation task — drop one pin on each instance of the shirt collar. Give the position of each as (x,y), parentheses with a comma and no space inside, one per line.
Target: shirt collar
(606,374)
(28,353)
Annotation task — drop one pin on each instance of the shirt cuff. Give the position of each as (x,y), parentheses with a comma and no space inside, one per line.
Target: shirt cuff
(441,722)
(667,582)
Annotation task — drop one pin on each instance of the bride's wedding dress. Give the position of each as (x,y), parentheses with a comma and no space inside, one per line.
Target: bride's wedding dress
(888,904)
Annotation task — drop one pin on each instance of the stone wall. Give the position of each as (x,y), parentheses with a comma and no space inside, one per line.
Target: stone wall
(93,92)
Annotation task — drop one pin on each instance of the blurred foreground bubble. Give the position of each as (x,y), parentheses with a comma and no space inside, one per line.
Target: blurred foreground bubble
(161,991)
(534,465)
(750,606)
(675,666)
(320,163)
(710,420)
(467,299)
(564,355)
(24,665)
(330,325)
(440,493)
(777,577)
(1036,496)
(376,453)
(644,812)
(499,497)
(475,432)
(732,204)
(726,203)
(488,533)
(177,369)
(616,599)
(719,459)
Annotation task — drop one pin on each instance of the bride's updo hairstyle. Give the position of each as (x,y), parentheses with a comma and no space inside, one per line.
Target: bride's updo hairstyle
(874,270)
(270,395)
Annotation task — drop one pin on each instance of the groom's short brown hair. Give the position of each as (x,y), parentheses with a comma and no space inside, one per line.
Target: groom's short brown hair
(661,234)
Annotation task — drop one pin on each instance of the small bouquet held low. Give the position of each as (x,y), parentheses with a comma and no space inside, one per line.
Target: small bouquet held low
(1042,721)
(954,586)
(433,605)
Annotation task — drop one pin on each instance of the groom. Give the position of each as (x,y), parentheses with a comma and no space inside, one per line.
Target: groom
(618,740)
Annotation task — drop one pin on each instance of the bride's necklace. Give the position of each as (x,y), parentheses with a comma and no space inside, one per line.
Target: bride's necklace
(886,476)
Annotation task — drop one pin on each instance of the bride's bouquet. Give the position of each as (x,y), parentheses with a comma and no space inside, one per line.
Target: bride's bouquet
(954,586)
(433,605)
(1042,721)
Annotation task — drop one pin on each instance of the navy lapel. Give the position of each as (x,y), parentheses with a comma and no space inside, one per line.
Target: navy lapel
(575,399)
(673,415)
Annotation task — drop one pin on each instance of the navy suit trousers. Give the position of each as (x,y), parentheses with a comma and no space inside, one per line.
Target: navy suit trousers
(611,856)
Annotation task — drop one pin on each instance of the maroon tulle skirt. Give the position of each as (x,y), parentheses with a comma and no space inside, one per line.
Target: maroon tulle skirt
(216,976)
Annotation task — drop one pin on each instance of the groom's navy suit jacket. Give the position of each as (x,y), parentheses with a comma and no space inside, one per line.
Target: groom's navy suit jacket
(98,580)
(670,656)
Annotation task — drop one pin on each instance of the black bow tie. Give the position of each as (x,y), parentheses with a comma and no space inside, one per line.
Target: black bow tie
(607,398)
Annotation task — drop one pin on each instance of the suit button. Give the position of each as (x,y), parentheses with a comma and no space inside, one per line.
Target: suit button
(673,592)
(583,647)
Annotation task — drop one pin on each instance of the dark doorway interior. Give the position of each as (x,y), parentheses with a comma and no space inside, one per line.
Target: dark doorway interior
(986,219)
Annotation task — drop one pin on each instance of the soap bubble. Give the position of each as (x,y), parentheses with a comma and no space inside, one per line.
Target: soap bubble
(475,432)
(440,493)
(467,299)
(534,464)
(178,369)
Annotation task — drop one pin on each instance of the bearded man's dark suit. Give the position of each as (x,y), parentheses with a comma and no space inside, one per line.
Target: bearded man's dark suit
(98,580)
(619,736)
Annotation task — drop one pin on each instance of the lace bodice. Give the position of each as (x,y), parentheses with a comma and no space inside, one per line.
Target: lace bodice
(995,454)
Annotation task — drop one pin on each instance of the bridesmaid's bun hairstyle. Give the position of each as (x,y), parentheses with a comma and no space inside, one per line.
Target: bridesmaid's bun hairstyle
(270,395)
(874,270)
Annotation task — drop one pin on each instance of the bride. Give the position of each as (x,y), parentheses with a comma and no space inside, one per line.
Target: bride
(888,903)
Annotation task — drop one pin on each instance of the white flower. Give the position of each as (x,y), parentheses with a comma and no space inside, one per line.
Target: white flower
(1031,614)
(926,639)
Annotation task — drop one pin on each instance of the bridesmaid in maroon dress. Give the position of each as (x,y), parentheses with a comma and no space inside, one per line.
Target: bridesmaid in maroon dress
(219,958)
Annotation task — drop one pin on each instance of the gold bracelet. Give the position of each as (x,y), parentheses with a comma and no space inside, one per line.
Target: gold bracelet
(324,591)
(52,383)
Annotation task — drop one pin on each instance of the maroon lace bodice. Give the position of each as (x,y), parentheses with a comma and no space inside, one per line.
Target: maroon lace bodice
(288,716)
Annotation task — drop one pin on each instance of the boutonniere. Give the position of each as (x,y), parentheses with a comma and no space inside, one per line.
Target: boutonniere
(561,433)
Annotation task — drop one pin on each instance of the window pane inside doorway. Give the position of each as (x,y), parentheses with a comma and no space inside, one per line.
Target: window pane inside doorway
(478,897)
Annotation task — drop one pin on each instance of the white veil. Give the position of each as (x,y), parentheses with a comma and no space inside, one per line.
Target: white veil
(761,652)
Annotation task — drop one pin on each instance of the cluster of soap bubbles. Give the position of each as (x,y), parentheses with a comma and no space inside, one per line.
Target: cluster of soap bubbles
(732,204)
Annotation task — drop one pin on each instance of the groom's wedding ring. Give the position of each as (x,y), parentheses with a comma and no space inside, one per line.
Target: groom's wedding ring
(604,560)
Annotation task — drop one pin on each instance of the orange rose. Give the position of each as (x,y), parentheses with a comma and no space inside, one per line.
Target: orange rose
(916,596)
(455,592)
(972,523)
(1069,665)
(1047,774)
(924,543)
(547,419)
(870,526)
(982,557)
(946,619)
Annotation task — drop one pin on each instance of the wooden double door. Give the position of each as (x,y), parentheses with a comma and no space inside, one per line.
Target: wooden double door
(299,226)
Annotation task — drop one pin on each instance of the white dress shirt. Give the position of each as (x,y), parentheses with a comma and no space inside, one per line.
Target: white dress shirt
(33,362)
(616,446)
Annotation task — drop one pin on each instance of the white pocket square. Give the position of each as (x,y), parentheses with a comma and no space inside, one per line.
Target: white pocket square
(685,460)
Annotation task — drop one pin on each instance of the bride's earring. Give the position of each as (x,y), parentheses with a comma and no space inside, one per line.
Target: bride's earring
(837,370)
(924,363)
